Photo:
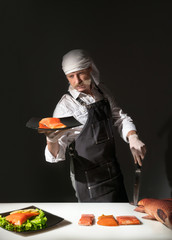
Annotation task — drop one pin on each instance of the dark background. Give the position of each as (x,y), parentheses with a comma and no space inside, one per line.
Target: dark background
(130,42)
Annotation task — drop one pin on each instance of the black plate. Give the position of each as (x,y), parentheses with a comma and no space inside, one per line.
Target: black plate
(52,219)
(70,122)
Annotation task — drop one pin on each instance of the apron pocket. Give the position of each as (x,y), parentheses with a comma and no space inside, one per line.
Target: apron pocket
(103,188)
(100,131)
(101,179)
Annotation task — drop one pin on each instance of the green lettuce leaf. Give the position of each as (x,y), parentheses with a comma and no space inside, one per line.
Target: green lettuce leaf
(34,223)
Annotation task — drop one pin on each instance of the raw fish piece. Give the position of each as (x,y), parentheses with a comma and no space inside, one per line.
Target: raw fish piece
(51,123)
(127,220)
(107,220)
(86,219)
(19,218)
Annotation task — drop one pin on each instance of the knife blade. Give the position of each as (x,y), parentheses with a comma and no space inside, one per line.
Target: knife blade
(136,184)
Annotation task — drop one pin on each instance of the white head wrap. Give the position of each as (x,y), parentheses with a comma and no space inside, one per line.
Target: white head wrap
(78,59)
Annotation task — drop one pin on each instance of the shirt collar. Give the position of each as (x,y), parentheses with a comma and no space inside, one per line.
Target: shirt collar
(75,94)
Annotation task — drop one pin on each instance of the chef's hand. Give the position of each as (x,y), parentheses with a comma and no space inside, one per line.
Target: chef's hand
(52,136)
(137,147)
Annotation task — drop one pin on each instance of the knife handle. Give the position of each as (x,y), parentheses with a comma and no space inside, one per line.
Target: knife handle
(137,166)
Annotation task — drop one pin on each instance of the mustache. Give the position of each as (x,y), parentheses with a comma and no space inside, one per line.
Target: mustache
(84,83)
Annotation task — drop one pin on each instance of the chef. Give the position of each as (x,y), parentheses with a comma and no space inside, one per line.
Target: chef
(90,148)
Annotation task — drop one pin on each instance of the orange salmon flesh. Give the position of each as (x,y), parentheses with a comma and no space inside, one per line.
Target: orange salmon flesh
(51,123)
(20,218)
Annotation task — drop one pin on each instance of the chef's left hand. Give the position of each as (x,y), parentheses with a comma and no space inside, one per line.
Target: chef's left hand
(52,136)
(138,148)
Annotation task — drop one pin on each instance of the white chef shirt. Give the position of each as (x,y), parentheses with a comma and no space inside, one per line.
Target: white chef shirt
(69,106)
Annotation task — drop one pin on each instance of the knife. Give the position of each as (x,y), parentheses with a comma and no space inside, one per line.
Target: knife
(136,184)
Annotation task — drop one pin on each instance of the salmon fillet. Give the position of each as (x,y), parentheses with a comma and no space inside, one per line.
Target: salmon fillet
(127,220)
(51,123)
(86,219)
(107,220)
(18,218)
(157,209)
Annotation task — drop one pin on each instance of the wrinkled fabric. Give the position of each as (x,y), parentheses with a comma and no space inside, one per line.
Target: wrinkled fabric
(76,60)
(69,106)
(79,59)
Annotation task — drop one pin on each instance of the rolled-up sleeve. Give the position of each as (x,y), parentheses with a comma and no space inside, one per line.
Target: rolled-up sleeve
(64,142)
(61,154)
(122,122)
(126,125)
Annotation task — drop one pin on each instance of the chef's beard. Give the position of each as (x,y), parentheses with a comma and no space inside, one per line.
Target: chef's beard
(85,83)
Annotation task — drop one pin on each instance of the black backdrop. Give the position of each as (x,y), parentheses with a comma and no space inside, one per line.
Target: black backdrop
(131,45)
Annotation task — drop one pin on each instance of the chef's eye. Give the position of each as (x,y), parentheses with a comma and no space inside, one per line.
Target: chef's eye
(71,76)
(82,73)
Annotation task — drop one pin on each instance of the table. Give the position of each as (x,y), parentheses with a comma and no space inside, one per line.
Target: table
(69,229)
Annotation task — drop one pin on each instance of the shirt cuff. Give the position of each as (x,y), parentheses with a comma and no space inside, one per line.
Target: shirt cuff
(50,158)
(127,127)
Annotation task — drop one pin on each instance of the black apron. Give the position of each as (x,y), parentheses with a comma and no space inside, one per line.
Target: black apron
(97,173)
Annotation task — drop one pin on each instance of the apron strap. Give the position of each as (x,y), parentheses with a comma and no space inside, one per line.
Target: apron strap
(79,100)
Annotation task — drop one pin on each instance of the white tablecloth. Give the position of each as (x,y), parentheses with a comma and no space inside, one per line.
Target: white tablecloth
(69,229)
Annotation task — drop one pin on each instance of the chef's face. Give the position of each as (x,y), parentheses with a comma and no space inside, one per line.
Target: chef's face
(80,80)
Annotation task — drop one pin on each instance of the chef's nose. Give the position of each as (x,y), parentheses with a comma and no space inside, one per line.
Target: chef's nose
(77,78)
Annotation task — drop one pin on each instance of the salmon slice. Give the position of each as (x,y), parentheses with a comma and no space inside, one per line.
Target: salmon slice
(51,123)
(86,219)
(127,220)
(107,220)
(18,218)
(159,209)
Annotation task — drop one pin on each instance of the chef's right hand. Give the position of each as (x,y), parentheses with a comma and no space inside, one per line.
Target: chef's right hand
(138,148)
